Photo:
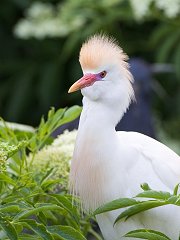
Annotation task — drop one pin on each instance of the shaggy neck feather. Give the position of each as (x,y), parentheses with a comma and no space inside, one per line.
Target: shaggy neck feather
(90,163)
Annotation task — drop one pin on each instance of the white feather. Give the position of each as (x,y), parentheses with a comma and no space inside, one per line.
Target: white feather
(108,165)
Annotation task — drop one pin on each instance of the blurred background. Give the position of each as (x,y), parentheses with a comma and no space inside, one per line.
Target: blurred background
(40,43)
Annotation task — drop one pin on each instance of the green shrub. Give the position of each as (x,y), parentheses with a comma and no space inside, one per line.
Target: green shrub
(34,202)
(55,158)
(134,206)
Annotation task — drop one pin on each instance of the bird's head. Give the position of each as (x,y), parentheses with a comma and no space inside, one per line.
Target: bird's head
(106,76)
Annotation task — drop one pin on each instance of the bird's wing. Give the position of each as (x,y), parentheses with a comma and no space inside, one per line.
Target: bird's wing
(165,162)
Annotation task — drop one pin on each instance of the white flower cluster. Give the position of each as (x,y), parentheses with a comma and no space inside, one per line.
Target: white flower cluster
(67,138)
(6,150)
(40,10)
(171,8)
(56,156)
(3,159)
(44,20)
(140,8)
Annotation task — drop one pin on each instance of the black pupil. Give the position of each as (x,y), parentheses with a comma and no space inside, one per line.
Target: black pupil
(103,74)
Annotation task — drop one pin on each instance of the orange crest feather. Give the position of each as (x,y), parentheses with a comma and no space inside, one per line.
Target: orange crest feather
(100,50)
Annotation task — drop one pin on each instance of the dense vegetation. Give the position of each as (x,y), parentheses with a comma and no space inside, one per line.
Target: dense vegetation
(135,205)
(34,201)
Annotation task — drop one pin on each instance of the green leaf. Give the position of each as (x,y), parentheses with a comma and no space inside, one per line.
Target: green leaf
(154,194)
(38,228)
(71,114)
(56,119)
(42,217)
(25,236)
(145,187)
(47,175)
(116,204)
(52,112)
(9,208)
(48,215)
(18,227)
(140,207)
(67,204)
(5,178)
(42,122)
(173,199)
(175,192)
(50,182)
(66,232)
(147,234)
(8,228)
(42,207)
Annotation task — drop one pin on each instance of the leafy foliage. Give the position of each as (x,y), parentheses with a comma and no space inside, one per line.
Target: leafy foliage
(154,199)
(166,39)
(147,234)
(29,207)
(53,161)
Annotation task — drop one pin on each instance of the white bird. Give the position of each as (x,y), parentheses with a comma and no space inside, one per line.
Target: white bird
(106,164)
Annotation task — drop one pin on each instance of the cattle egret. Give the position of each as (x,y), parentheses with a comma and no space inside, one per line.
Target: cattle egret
(106,164)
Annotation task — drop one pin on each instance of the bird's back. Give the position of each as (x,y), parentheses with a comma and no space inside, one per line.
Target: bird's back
(145,160)
(165,162)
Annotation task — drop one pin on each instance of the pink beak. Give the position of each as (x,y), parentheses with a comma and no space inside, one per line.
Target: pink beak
(86,81)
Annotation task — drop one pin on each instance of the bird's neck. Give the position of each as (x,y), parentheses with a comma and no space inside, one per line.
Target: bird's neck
(95,126)
(96,141)
(97,116)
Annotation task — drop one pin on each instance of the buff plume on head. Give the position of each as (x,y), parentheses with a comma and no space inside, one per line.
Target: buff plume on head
(101,50)
(104,67)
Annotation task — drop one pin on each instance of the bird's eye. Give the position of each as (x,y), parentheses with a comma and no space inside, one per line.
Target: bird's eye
(103,74)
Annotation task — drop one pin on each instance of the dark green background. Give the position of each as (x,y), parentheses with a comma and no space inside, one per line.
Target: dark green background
(36,74)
